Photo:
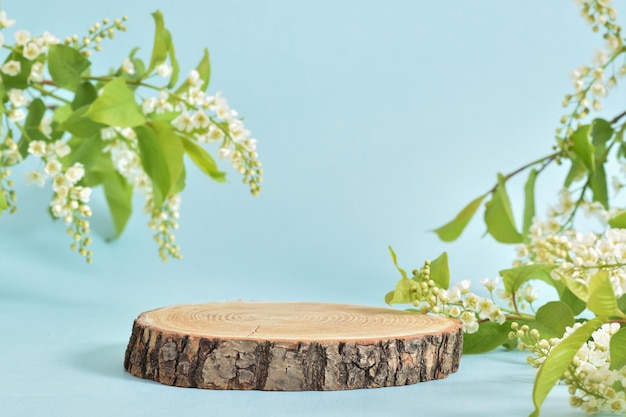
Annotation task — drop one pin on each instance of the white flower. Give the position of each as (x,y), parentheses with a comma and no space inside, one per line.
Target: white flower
(36,73)
(35,177)
(489,283)
(471,301)
(455,311)
(81,193)
(149,105)
(163,105)
(60,185)
(22,37)
(12,68)
(17,97)
(75,173)
(4,21)
(31,51)
(200,120)
(1,39)
(48,39)
(224,153)
(193,79)
(164,70)
(37,148)
(250,144)
(128,66)
(598,89)
(184,122)
(215,133)
(17,114)
(53,167)
(108,133)
(61,148)
(45,126)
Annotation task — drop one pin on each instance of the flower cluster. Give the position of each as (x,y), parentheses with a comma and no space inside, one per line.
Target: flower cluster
(456,302)
(210,120)
(577,256)
(70,199)
(88,130)
(591,84)
(593,385)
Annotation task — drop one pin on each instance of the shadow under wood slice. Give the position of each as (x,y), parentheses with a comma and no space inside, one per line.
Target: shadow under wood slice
(291,346)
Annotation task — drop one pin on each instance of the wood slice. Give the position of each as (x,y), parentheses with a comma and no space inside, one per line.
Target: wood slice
(291,346)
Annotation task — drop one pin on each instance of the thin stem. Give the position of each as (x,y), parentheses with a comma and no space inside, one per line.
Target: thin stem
(545,160)
(48,93)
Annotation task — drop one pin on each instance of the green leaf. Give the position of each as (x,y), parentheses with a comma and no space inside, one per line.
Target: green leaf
(86,94)
(3,203)
(583,148)
(440,271)
(154,163)
(203,160)
(617,351)
(556,363)
(621,303)
(395,262)
(602,300)
(619,221)
(555,316)
(489,336)
(175,67)
(162,41)
(579,289)
(62,113)
(403,292)
(529,204)
(452,230)
(66,64)
(575,304)
(116,106)
(499,217)
(79,125)
(601,132)
(204,69)
(599,187)
(514,278)
(180,183)
(89,153)
(36,111)
(576,172)
(173,151)
(119,195)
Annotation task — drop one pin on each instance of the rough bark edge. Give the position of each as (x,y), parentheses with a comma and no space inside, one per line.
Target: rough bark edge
(193,361)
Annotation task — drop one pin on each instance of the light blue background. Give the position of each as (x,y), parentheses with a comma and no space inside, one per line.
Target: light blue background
(377,121)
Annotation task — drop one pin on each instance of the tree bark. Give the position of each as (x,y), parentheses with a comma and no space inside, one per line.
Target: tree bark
(291,346)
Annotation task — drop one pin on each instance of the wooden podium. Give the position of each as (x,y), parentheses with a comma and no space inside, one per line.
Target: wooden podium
(291,346)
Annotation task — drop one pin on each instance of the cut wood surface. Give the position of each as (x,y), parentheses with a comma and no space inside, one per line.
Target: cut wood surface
(291,346)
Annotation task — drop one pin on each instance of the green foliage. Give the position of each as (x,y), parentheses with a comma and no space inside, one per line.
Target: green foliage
(558,361)
(124,130)
(66,65)
(116,106)
(602,300)
(618,353)
(440,271)
(452,230)
(554,317)
(529,203)
(488,337)
(203,160)
(499,216)
(514,278)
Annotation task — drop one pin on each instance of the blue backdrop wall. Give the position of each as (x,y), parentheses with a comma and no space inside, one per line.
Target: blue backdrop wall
(376,121)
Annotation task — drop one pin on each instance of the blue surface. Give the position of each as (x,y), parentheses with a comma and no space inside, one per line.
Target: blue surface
(377,121)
